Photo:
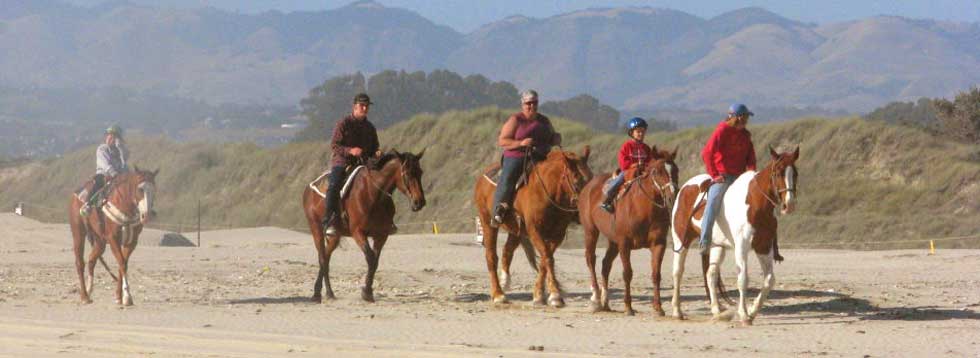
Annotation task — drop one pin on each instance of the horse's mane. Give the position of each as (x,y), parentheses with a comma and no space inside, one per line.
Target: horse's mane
(384,159)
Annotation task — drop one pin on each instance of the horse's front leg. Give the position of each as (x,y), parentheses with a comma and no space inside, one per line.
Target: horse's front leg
(114,245)
(656,260)
(742,247)
(367,293)
(127,252)
(554,298)
(505,260)
(490,253)
(332,242)
(768,281)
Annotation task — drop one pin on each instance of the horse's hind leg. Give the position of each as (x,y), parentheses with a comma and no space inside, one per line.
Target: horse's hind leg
(611,251)
(322,260)
(117,252)
(678,271)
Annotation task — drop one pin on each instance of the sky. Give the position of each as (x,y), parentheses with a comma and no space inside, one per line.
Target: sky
(468,15)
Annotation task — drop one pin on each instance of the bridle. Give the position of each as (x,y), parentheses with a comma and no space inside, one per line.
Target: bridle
(565,180)
(661,189)
(778,201)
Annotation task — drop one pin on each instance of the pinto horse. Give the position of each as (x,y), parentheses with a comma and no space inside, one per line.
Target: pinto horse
(746,221)
(542,211)
(129,206)
(370,211)
(641,220)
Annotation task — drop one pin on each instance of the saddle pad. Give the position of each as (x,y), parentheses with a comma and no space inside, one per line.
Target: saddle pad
(319,185)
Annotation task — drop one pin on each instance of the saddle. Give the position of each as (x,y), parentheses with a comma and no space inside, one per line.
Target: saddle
(492,174)
(632,174)
(320,184)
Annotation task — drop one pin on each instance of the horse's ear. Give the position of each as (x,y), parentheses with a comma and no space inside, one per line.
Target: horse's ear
(653,149)
(585,153)
(419,156)
(772,152)
(673,155)
(796,153)
(155,172)
(136,168)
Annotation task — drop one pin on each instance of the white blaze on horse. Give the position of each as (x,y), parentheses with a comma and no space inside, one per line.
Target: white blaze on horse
(746,221)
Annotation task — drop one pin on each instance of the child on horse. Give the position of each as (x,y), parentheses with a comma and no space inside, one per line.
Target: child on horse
(632,154)
(110,161)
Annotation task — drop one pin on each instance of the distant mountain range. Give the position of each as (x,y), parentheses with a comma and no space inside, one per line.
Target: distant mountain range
(633,58)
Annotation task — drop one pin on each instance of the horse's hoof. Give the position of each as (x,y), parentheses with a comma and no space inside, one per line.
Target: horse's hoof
(330,296)
(630,312)
(659,312)
(745,323)
(556,302)
(367,295)
(595,307)
(680,317)
(316,299)
(86,301)
(500,300)
(128,302)
(540,302)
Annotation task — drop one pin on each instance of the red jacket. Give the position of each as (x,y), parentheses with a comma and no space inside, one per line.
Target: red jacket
(633,152)
(728,151)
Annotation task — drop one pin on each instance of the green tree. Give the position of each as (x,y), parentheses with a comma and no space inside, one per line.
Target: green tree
(960,118)
(586,109)
(327,103)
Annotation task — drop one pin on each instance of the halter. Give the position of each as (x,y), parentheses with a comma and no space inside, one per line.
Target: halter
(660,189)
(565,180)
(401,172)
(778,192)
(126,221)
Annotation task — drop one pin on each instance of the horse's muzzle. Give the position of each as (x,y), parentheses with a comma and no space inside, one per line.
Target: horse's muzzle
(788,208)
(146,217)
(418,204)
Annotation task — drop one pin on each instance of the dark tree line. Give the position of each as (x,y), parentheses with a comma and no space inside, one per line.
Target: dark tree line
(958,119)
(399,95)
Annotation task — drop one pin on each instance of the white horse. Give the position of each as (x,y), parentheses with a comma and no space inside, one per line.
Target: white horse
(746,220)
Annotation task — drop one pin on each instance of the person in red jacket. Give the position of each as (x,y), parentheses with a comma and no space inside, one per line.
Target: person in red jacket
(633,153)
(728,153)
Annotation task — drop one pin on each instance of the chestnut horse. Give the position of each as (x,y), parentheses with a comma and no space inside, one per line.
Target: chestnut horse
(641,220)
(542,211)
(129,206)
(746,221)
(370,211)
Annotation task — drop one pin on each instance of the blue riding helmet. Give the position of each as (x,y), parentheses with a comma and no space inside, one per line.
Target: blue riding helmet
(739,109)
(635,122)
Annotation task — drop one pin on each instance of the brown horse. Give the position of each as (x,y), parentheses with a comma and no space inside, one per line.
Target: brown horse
(542,211)
(369,210)
(129,206)
(641,220)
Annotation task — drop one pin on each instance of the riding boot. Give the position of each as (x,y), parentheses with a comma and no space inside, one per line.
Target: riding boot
(498,215)
(329,221)
(607,203)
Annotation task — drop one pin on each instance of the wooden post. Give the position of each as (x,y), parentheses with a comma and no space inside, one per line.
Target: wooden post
(198,222)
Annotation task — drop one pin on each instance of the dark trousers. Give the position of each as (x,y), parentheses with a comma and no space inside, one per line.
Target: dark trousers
(97,183)
(336,181)
(510,171)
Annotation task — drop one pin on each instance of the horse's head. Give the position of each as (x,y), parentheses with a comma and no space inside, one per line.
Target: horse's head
(409,180)
(659,172)
(672,168)
(783,178)
(142,186)
(577,168)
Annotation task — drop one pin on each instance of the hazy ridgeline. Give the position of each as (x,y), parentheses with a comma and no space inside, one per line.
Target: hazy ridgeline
(860,181)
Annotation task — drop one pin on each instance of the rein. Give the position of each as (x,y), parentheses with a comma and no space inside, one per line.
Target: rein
(772,180)
(565,180)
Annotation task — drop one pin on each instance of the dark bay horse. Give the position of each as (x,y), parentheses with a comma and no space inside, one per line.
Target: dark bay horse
(129,206)
(370,212)
(641,220)
(542,211)
(746,222)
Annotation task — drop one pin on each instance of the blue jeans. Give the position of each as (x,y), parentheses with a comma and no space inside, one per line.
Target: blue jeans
(715,195)
(615,184)
(510,171)
(336,181)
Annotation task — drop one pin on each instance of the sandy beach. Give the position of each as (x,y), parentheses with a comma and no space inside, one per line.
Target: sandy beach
(245,293)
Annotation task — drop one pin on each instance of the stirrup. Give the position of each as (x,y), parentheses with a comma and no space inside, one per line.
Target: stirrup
(608,207)
(83,211)
(330,230)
